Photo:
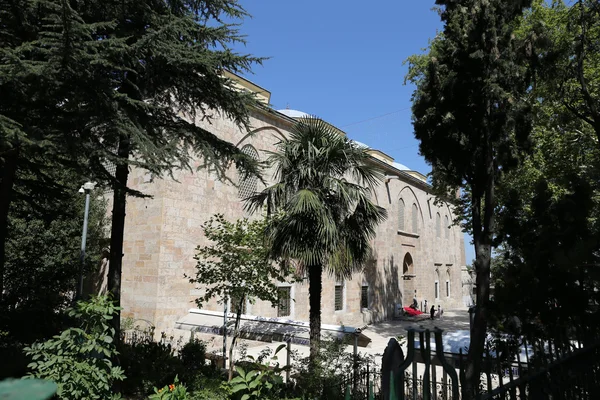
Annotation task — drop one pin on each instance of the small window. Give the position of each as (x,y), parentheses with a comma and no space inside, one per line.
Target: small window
(339,296)
(447,289)
(364,297)
(437,225)
(401,215)
(437,285)
(415,218)
(235,304)
(447,230)
(248,184)
(285,300)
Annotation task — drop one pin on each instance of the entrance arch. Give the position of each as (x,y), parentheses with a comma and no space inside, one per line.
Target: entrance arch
(409,277)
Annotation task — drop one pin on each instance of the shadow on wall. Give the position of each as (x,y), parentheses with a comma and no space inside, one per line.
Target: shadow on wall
(384,287)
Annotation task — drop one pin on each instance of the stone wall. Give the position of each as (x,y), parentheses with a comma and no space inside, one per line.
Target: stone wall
(162,233)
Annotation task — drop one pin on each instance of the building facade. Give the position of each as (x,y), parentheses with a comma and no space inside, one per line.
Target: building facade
(416,249)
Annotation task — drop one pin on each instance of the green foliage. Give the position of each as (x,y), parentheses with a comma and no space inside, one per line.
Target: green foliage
(548,207)
(127,71)
(79,359)
(325,220)
(239,247)
(472,115)
(260,378)
(170,392)
(332,371)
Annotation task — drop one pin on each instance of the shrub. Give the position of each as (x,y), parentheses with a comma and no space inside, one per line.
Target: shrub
(193,355)
(174,391)
(79,359)
(148,363)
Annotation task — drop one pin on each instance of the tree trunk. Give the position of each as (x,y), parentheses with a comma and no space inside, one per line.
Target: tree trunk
(236,331)
(483,233)
(117,232)
(315,286)
(9,172)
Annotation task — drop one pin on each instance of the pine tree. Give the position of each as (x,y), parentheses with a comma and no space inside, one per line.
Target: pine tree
(471,115)
(93,82)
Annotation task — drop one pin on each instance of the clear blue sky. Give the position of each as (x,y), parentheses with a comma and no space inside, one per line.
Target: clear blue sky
(343,61)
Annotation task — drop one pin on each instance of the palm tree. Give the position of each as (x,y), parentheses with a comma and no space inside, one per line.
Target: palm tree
(322,192)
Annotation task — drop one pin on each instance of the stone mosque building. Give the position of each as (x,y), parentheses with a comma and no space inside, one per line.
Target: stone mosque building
(416,248)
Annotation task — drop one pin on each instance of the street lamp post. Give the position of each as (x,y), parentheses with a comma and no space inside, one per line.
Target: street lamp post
(86,188)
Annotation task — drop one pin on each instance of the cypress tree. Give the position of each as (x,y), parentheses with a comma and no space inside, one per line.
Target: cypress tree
(471,115)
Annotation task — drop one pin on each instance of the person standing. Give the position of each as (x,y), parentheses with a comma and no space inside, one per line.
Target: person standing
(432,312)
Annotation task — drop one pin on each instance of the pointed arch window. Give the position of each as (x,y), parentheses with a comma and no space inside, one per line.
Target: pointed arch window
(415,218)
(438,224)
(248,184)
(447,229)
(401,215)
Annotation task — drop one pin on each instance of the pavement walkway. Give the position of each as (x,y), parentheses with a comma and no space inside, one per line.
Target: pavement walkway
(380,334)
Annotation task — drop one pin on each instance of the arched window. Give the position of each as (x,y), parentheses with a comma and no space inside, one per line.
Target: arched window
(247,184)
(415,218)
(447,230)
(401,215)
(448,283)
(437,225)
(437,285)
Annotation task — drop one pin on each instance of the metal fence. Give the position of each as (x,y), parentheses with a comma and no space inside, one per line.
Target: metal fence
(512,369)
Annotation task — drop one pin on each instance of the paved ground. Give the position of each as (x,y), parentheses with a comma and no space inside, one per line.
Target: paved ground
(381,333)
(453,320)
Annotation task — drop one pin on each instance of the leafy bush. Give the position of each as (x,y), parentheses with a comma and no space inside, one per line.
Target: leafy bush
(332,372)
(173,391)
(260,380)
(193,355)
(148,363)
(79,359)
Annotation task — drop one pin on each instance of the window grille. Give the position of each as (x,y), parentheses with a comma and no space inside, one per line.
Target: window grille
(247,184)
(339,297)
(285,299)
(364,297)
(235,303)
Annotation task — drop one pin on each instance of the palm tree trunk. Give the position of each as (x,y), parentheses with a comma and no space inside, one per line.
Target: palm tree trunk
(9,172)
(315,286)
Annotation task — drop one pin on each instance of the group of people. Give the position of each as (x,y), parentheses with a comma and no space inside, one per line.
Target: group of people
(436,314)
(432,312)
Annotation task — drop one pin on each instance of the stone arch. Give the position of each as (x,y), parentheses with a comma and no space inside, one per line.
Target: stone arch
(412,199)
(257,130)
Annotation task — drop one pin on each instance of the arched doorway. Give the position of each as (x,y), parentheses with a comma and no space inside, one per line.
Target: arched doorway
(409,277)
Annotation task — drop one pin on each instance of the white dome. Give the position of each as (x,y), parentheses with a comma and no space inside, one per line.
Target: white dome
(360,144)
(401,167)
(293,113)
